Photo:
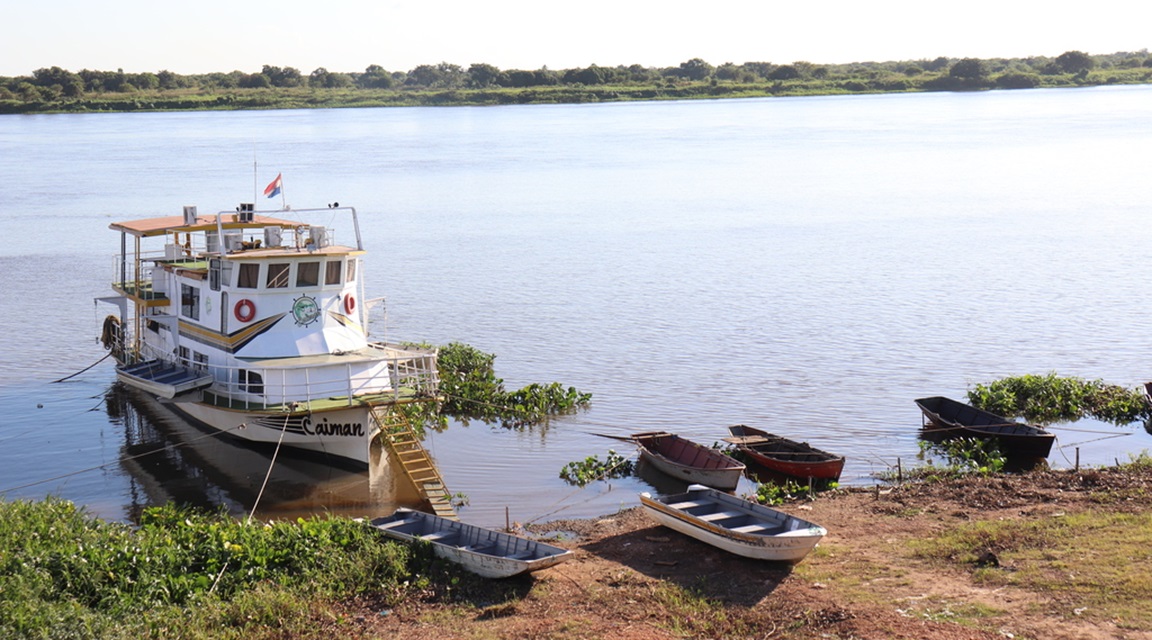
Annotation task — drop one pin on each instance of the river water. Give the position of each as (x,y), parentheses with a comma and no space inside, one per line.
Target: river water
(808,266)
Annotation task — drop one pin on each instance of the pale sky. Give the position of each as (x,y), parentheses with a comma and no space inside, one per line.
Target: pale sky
(343,35)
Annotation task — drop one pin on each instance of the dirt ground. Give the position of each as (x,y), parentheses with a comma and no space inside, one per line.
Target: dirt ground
(860,583)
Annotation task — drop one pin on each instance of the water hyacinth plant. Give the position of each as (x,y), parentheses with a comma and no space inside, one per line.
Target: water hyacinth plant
(583,472)
(471,391)
(1052,398)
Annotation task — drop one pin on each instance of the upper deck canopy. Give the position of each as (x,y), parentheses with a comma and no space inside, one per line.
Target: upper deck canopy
(150,227)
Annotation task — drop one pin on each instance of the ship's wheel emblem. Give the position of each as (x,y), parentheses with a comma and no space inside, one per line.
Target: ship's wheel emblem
(305,310)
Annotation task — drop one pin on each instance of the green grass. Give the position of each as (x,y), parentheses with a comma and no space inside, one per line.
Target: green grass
(1086,563)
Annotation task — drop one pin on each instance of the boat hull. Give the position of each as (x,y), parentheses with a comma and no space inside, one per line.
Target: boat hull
(786,457)
(945,419)
(345,434)
(688,461)
(749,530)
(485,552)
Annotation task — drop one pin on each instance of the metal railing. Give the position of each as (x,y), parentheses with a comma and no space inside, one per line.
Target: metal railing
(407,372)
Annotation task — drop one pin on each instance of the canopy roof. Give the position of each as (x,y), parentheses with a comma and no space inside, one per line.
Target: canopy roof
(149,227)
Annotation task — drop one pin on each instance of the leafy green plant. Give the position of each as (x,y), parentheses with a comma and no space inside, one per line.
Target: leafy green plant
(66,574)
(1052,398)
(774,493)
(591,469)
(471,390)
(962,456)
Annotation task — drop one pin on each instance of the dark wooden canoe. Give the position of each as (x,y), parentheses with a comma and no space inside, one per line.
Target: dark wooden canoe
(946,418)
(690,462)
(784,456)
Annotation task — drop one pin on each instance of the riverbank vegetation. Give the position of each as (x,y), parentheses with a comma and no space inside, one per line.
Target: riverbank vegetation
(1053,398)
(180,573)
(471,391)
(51,90)
(915,560)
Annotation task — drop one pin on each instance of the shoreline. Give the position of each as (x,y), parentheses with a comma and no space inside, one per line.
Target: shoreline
(878,573)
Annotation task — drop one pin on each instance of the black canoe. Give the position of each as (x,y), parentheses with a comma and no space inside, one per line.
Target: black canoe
(946,418)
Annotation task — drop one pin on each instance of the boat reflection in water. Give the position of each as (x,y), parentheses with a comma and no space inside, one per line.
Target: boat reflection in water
(170,460)
(661,483)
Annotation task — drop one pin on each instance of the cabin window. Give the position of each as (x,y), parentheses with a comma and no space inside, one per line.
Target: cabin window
(249,277)
(332,271)
(199,361)
(182,354)
(307,274)
(351,271)
(214,274)
(190,301)
(277,275)
(250,381)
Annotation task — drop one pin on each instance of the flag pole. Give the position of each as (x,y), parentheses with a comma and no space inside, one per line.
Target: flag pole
(255,178)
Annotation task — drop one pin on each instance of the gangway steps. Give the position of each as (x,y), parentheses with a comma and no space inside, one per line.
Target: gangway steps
(417,464)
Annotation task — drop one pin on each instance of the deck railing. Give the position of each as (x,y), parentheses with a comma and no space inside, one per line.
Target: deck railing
(408,373)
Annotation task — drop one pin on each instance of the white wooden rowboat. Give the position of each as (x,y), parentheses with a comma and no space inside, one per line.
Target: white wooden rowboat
(487,553)
(735,525)
(688,461)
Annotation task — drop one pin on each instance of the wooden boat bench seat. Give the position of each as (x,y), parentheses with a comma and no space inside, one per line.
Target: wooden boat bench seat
(523,555)
(440,536)
(395,524)
(480,548)
(721,515)
(758,529)
(689,504)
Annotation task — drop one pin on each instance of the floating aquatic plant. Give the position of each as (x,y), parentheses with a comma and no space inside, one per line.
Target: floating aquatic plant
(1052,398)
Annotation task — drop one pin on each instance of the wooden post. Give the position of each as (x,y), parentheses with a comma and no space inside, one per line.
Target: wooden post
(899,472)
(507,521)
(1077,459)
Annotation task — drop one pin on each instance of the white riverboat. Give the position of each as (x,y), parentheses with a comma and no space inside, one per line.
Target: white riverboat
(255,323)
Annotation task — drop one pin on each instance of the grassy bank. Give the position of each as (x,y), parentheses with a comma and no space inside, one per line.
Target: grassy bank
(1060,549)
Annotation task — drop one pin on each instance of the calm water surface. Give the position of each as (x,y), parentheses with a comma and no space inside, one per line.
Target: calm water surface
(805,265)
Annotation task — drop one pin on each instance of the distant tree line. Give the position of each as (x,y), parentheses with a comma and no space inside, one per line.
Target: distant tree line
(56,88)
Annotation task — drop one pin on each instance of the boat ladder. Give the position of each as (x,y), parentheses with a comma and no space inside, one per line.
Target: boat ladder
(416,463)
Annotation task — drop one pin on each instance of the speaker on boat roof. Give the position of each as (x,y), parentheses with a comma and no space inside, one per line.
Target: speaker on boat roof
(233,241)
(318,236)
(189,215)
(272,236)
(246,210)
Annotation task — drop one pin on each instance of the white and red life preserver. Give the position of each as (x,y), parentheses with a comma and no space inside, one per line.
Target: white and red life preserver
(244,310)
(349,304)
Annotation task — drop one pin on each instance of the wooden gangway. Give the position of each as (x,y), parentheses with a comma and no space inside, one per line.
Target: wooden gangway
(414,460)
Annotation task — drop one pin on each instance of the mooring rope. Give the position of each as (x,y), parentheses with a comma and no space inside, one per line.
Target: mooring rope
(106,356)
(271,464)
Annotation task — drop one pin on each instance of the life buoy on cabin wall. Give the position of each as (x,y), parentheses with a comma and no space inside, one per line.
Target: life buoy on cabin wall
(349,304)
(244,310)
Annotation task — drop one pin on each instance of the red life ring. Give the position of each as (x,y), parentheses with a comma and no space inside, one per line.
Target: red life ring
(244,310)
(349,304)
